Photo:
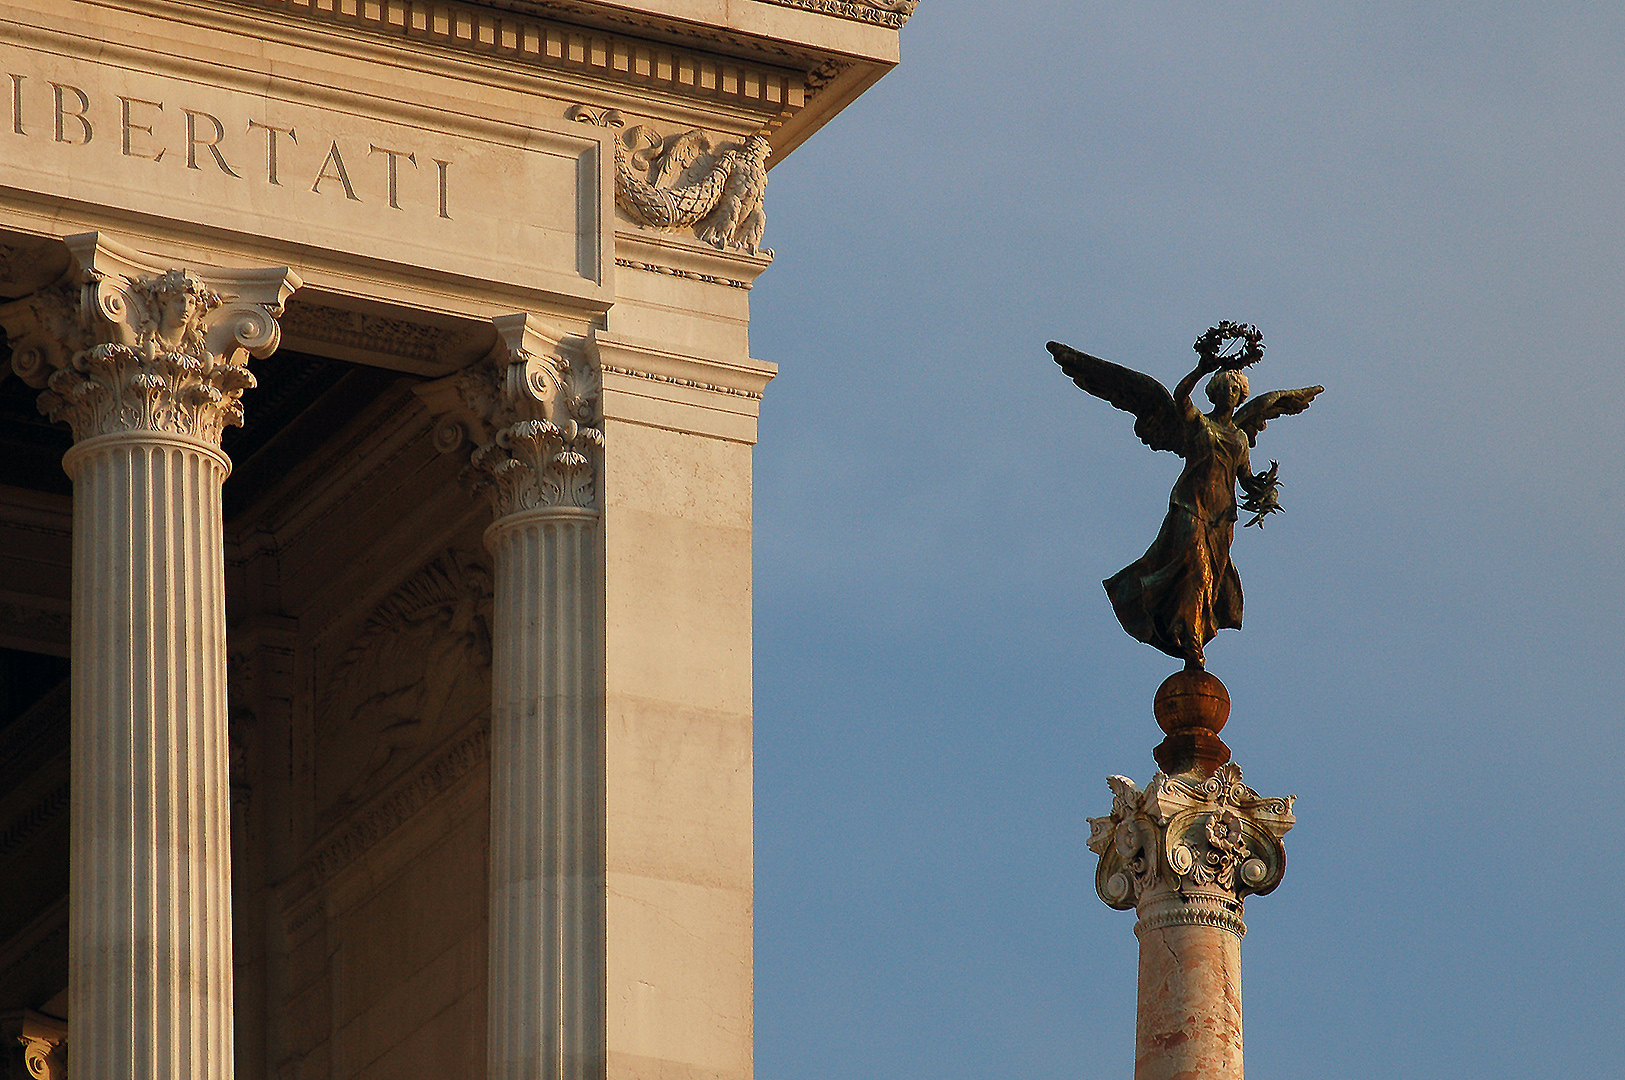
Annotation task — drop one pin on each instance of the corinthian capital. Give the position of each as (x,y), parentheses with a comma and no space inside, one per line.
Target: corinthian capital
(528,413)
(1189,849)
(123,344)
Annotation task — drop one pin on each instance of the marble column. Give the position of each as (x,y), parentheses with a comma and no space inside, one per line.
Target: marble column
(147,365)
(530,412)
(1184,854)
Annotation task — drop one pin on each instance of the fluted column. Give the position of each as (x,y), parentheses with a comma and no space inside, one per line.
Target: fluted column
(530,412)
(147,365)
(1184,854)
(547,765)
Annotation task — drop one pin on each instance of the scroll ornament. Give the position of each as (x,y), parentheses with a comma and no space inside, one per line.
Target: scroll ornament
(44,1042)
(162,352)
(532,415)
(685,181)
(1210,841)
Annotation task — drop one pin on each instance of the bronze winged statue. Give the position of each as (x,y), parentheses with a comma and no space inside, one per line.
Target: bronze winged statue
(1184,589)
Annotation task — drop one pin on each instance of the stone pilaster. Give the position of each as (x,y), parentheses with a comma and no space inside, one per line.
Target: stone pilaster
(1184,854)
(147,365)
(530,413)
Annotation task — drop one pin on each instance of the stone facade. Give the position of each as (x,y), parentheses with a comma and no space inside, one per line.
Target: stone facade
(375,527)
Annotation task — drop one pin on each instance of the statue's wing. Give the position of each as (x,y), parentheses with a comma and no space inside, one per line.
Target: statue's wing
(1252,416)
(1157,420)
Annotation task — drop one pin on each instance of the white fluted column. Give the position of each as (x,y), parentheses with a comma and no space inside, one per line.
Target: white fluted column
(547,766)
(530,412)
(149,912)
(147,365)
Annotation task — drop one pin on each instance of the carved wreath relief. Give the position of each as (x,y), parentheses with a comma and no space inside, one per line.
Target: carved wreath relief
(1215,838)
(684,181)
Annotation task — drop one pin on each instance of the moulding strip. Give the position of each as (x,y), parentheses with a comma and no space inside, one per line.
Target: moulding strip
(561,47)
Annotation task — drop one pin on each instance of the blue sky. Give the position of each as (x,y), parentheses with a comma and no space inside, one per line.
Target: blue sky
(1421,208)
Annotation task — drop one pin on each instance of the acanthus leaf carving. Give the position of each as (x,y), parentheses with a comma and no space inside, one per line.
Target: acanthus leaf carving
(684,181)
(530,410)
(120,345)
(1189,848)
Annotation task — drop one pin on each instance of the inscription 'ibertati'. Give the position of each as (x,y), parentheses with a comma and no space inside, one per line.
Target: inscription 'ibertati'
(308,166)
(141,127)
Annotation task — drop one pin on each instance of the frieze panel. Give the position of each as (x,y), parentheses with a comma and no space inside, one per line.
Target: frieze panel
(34,624)
(281,164)
(418,669)
(404,800)
(355,331)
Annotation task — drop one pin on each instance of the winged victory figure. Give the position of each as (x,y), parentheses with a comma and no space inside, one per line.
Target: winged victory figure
(1185,589)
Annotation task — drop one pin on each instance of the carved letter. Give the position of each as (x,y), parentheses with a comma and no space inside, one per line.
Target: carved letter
(213,145)
(393,156)
(129,127)
(444,165)
(17,104)
(62,113)
(338,174)
(270,146)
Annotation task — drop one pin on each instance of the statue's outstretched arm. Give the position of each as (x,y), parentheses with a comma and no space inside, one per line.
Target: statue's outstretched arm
(1182,392)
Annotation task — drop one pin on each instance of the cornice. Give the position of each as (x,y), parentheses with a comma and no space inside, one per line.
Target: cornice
(891,14)
(773,90)
(846,26)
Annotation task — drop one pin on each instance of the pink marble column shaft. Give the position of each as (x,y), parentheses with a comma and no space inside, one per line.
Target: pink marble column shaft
(1189,1015)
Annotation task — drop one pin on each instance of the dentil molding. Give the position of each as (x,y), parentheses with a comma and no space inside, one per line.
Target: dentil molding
(122,344)
(1189,850)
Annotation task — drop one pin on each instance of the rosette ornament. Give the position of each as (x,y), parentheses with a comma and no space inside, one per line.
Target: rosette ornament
(1188,849)
(122,345)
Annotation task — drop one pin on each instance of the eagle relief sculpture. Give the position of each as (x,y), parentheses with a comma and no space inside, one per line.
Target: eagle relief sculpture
(684,181)
(1185,589)
(688,181)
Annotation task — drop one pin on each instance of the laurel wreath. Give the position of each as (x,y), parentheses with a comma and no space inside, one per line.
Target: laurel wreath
(1217,338)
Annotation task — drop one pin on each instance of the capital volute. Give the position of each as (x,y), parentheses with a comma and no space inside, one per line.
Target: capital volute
(44,1042)
(527,414)
(124,344)
(1189,843)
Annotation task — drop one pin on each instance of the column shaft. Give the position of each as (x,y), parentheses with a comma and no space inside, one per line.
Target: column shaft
(149,904)
(1189,1015)
(546,989)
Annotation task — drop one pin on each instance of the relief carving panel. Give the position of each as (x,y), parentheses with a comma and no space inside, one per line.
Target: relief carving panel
(418,670)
